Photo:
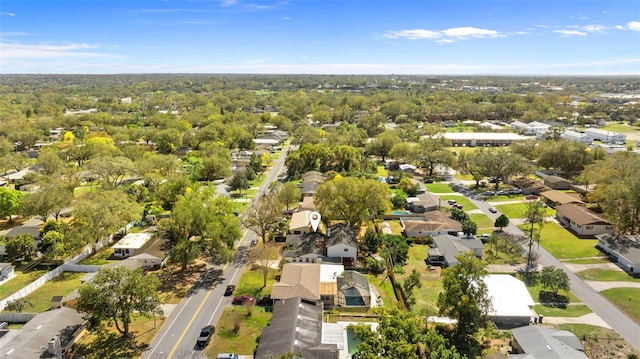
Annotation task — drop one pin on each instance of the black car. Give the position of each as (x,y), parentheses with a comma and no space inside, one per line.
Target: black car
(229,290)
(205,336)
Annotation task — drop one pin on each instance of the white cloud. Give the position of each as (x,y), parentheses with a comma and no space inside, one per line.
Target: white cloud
(634,25)
(286,18)
(571,32)
(228,2)
(17,50)
(619,27)
(594,28)
(7,13)
(443,36)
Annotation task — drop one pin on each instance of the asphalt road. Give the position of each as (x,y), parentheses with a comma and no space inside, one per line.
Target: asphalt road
(205,302)
(618,320)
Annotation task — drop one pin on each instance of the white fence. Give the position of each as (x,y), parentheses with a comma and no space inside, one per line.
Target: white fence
(56,272)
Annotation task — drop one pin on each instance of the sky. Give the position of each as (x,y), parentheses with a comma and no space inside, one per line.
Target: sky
(421,37)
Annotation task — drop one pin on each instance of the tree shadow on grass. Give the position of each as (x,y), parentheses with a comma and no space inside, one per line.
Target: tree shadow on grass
(555,300)
(111,346)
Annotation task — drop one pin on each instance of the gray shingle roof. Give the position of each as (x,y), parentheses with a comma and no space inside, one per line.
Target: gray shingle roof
(540,342)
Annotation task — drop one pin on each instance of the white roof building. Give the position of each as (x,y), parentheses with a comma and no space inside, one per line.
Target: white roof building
(128,245)
(472,139)
(606,136)
(577,136)
(511,302)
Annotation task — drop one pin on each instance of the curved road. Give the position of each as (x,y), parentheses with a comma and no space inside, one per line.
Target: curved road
(618,320)
(205,302)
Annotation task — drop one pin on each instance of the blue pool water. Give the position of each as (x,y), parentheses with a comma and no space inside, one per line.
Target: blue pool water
(352,342)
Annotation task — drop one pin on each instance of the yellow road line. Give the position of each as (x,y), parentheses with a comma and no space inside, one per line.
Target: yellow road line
(193,318)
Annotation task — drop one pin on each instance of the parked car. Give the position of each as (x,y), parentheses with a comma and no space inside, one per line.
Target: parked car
(243,299)
(458,206)
(515,191)
(531,197)
(205,336)
(254,242)
(451,202)
(503,193)
(229,290)
(488,193)
(227,356)
(265,300)
(493,210)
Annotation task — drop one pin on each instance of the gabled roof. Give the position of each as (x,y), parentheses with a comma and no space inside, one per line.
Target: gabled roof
(540,342)
(432,221)
(450,246)
(341,234)
(581,215)
(310,243)
(296,327)
(555,179)
(625,246)
(560,197)
(32,339)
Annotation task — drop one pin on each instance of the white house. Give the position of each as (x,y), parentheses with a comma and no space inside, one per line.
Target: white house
(341,242)
(6,271)
(129,244)
(624,249)
(511,303)
(577,136)
(582,221)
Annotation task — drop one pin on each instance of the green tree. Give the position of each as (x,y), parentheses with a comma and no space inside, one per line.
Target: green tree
(408,186)
(535,217)
(110,170)
(459,215)
(255,163)
(402,334)
(50,201)
(18,305)
(21,246)
(464,296)
(288,194)
(502,221)
(469,228)
(58,246)
(554,279)
(472,162)
(433,152)
(501,163)
(354,200)
(382,144)
(565,156)
(239,181)
(116,294)
(10,201)
(409,284)
(370,242)
(263,215)
(168,191)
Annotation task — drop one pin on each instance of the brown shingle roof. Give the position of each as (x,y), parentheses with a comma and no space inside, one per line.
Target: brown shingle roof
(580,215)
(298,280)
(560,197)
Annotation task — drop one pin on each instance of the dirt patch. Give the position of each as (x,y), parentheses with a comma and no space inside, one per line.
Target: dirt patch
(176,283)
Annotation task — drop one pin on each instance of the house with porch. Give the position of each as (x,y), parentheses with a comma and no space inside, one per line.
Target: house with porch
(130,244)
(446,248)
(556,198)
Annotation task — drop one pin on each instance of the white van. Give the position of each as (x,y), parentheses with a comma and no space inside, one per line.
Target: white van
(227,356)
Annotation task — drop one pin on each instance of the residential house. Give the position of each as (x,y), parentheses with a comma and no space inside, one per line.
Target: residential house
(556,182)
(432,224)
(424,202)
(308,249)
(511,303)
(341,242)
(295,329)
(308,204)
(624,249)
(407,168)
(556,198)
(529,186)
(309,188)
(582,221)
(129,244)
(311,281)
(299,225)
(44,336)
(540,342)
(446,248)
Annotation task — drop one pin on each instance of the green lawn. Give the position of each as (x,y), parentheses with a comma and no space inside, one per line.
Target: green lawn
(467,205)
(570,311)
(535,294)
(251,283)
(595,260)
(627,299)
(244,339)
(79,191)
(517,210)
(483,221)
(18,282)
(562,244)
(606,275)
(383,284)
(99,258)
(617,127)
(440,187)
(427,295)
(63,285)
(505,198)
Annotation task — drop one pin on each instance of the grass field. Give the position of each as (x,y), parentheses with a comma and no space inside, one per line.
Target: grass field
(467,205)
(606,275)
(627,299)
(427,295)
(594,260)
(18,282)
(383,284)
(99,258)
(237,330)
(617,127)
(517,210)
(62,285)
(570,311)
(251,283)
(562,244)
(506,198)
(440,187)
(483,221)
(535,294)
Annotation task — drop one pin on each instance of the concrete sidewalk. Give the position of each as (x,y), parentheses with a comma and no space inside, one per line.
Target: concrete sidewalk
(591,319)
